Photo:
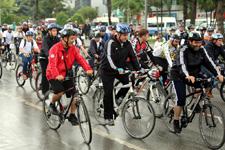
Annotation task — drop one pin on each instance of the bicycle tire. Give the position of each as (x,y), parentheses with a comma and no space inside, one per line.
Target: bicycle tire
(129,127)
(47,113)
(1,70)
(19,73)
(222,91)
(81,105)
(33,77)
(86,82)
(98,106)
(12,59)
(211,118)
(38,88)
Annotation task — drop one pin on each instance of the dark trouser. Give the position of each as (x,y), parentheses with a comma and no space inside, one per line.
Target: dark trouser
(44,81)
(108,83)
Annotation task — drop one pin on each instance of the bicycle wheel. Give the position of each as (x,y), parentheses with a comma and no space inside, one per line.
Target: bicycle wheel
(168,112)
(33,77)
(138,117)
(12,61)
(38,87)
(222,91)
(53,121)
(212,126)
(19,75)
(156,97)
(83,82)
(98,106)
(1,70)
(84,121)
(4,59)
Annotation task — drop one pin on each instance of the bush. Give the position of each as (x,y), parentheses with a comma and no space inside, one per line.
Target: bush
(61,18)
(77,18)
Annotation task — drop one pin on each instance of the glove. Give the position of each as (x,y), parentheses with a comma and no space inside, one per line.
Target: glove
(120,70)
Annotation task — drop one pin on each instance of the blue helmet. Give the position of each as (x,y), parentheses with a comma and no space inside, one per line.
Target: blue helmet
(123,28)
(102,29)
(216,36)
(29,33)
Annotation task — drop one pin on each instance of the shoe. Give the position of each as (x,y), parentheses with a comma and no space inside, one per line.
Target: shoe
(176,126)
(53,109)
(73,119)
(109,122)
(209,94)
(118,101)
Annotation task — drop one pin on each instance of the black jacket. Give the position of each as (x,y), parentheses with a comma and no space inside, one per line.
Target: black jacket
(94,49)
(189,62)
(214,51)
(48,42)
(115,56)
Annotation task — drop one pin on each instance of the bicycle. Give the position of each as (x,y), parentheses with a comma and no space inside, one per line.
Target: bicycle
(210,117)
(32,72)
(55,121)
(84,81)
(1,70)
(133,108)
(9,57)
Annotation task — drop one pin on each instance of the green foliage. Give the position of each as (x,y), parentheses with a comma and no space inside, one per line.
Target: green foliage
(61,18)
(88,13)
(78,18)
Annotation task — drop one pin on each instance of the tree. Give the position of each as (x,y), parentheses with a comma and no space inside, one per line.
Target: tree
(7,8)
(193,10)
(78,18)
(109,8)
(61,18)
(219,15)
(88,13)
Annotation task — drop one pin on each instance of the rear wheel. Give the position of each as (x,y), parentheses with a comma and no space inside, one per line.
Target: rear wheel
(33,77)
(12,61)
(38,86)
(1,70)
(222,91)
(98,106)
(84,82)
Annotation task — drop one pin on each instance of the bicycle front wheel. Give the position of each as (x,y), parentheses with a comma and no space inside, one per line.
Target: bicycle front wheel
(38,86)
(84,121)
(222,91)
(12,61)
(19,75)
(83,83)
(138,117)
(98,105)
(33,77)
(1,70)
(212,126)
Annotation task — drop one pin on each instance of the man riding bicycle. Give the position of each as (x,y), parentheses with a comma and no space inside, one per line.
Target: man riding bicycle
(61,59)
(27,47)
(113,63)
(186,68)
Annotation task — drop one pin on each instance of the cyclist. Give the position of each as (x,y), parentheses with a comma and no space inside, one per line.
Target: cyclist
(113,63)
(191,28)
(96,49)
(27,47)
(61,59)
(19,35)
(186,68)
(208,34)
(182,34)
(105,36)
(215,49)
(8,38)
(48,41)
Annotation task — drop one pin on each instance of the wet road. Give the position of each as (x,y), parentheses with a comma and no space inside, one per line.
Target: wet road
(23,127)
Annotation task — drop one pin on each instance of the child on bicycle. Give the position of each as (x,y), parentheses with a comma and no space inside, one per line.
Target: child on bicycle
(27,47)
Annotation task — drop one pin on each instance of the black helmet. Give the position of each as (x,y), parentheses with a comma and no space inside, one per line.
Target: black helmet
(97,35)
(210,29)
(175,37)
(191,26)
(102,29)
(29,33)
(203,28)
(52,26)
(67,32)
(194,36)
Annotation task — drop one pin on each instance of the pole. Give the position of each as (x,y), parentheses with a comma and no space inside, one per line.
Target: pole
(146,13)
(161,16)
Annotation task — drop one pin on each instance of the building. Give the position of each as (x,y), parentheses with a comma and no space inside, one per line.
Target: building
(100,6)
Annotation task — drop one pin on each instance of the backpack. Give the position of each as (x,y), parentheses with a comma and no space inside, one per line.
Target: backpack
(32,44)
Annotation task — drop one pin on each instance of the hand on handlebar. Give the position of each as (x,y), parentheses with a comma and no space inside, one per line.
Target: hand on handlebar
(220,78)
(120,70)
(60,78)
(89,72)
(191,79)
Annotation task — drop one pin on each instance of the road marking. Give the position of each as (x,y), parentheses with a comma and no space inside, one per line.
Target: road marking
(95,130)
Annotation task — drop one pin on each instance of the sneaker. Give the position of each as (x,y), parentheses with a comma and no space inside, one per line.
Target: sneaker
(176,126)
(109,122)
(118,101)
(73,119)
(53,109)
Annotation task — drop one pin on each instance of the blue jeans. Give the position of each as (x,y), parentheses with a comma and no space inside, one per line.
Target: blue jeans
(26,61)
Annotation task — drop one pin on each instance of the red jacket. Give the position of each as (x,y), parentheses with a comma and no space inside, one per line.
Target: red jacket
(56,65)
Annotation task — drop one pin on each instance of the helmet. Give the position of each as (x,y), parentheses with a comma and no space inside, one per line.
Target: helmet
(175,37)
(102,29)
(202,28)
(210,29)
(191,26)
(52,26)
(29,33)
(34,26)
(10,27)
(67,32)
(77,31)
(113,27)
(97,34)
(194,36)
(173,29)
(216,36)
(122,28)
(68,26)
